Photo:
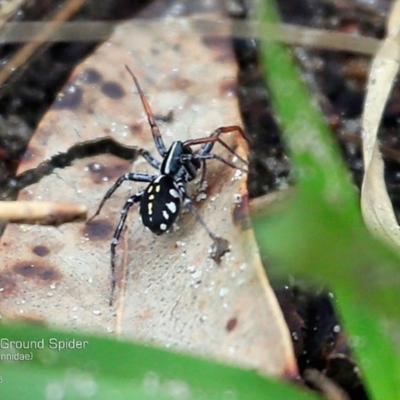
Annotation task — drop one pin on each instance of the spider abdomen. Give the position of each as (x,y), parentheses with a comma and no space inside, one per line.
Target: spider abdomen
(160,204)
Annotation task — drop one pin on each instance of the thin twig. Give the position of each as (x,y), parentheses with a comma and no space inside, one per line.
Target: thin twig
(44,212)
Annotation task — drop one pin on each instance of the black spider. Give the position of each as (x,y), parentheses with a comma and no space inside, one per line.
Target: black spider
(160,202)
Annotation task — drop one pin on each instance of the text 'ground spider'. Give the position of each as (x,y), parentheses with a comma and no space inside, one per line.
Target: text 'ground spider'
(160,201)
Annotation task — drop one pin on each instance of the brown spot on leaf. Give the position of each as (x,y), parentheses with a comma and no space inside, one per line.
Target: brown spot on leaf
(41,251)
(181,83)
(136,129)
(220,46)
(31,318)
(101,173)
(240,213)
(98,229)
(37,271)
(228,88)
(231,324)
(113,90)
(7,284)
(145,315)
(90,76)
(69,98)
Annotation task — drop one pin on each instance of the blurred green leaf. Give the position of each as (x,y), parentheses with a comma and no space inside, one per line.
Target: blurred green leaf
(107,369)
(321,232)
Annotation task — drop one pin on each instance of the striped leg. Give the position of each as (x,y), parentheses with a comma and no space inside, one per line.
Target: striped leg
(210,156)
(209,141)
(129,203)
(149,158)
(117,184)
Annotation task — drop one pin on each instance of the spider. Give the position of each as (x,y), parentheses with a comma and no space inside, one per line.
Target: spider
(161,200)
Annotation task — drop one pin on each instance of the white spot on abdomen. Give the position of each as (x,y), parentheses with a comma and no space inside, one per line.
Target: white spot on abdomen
(174,193)
(171,207)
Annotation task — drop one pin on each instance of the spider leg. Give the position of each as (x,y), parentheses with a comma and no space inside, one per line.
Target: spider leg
(117,184)
(129,203)
(209,141)
(189,205)
(210,156)
(203,172)
(220,245)
(152,122)
(149,158)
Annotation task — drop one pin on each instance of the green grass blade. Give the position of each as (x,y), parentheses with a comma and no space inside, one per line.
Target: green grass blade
(321,232)
(107,369)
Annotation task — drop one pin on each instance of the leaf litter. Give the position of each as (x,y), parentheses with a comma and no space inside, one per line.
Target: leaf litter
(169,290)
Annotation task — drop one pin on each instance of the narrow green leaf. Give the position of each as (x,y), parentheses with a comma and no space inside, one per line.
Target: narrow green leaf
(99,368)
(321,232)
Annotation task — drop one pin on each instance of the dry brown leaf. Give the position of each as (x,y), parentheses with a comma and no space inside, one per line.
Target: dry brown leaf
(173,294)
(375,203)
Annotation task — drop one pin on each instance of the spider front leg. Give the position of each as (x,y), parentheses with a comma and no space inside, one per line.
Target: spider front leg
(209,156)
(209,141)
(114,242)
(155,130)
(117,184)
